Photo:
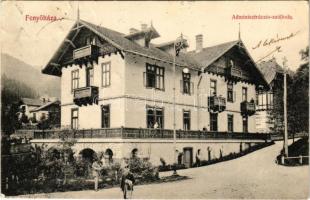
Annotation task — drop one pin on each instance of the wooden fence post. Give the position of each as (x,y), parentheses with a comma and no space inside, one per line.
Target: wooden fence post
(282,159)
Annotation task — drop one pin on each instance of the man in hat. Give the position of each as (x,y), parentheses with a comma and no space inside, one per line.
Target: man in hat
(96,172)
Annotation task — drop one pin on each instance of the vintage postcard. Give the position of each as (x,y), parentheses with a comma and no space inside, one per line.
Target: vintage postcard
(155,100)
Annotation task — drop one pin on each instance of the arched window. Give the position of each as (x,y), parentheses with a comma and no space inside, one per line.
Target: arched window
(134,153)
(88,154)
(109,153)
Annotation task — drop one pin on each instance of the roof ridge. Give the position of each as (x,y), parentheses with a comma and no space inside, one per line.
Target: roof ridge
(100,26)
(224,43)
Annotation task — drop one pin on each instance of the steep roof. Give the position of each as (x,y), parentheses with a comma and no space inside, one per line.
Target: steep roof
(193,60)
(270,69)
(45,106)
(209,54)
(120,41)
(32,102)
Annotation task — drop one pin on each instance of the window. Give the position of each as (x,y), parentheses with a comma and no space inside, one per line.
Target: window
(91,40)
(265,100)
(269,100)
(154,77)
(213,88)
(74,79)
(213,121)
(89,75)
(186,120)
(186,83)
(74,118)
(154,115)
(244,94)
(230,92)
(106,74)
(245,124)
(34,116)
(230,123)
(105,116)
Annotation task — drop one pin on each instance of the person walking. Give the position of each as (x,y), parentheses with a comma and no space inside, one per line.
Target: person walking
(127,182)
(198,158)
(96,172)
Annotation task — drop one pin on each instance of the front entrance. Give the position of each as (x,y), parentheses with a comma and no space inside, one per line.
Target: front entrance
(188,156)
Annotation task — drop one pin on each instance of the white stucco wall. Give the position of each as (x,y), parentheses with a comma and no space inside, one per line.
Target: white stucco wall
(90,115)
(128,96)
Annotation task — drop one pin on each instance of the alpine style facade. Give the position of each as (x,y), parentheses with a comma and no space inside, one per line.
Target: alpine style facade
(121,93)
(110,80)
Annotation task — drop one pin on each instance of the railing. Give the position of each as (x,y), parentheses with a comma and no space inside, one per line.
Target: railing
(280,136)
(247,108)
(217,103)
(143,133)
(234,72)
(85,95)
(89,50)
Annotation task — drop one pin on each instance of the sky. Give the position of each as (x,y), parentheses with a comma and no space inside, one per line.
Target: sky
(35,42)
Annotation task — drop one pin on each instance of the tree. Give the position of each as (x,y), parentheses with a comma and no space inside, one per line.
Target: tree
(298,97)
(11,93)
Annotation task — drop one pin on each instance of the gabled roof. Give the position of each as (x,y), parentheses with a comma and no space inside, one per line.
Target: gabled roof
(270,69)
(119,41)
(45,106)
(193,60)
(32,102)
(210,54)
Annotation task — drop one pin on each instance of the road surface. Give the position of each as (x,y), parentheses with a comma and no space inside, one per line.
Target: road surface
(253,176)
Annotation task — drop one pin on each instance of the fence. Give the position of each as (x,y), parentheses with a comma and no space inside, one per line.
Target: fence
(301,159)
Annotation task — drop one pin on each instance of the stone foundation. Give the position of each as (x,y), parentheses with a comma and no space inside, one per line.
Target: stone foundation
(159,149)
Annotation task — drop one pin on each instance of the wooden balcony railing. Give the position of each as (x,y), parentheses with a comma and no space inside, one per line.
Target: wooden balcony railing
(233,72)
(85,95)
(143,133)
(247,108)
(86,51)
(217,103)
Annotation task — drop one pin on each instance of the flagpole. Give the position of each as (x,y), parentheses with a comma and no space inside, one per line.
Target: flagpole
(174,117)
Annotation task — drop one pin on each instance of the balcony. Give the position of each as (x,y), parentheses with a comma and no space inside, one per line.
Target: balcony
(234,73)
(145,133)
(247,108)
(85,95)
(86,53)
(217,103)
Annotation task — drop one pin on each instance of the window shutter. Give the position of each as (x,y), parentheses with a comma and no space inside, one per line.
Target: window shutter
(144,79)
(181,86)
(192,88)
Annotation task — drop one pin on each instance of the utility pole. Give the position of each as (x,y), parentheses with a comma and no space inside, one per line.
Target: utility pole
(285,108)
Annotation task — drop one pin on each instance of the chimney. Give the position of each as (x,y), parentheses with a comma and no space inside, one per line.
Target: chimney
(199,42)
(133,30)
(143,27)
